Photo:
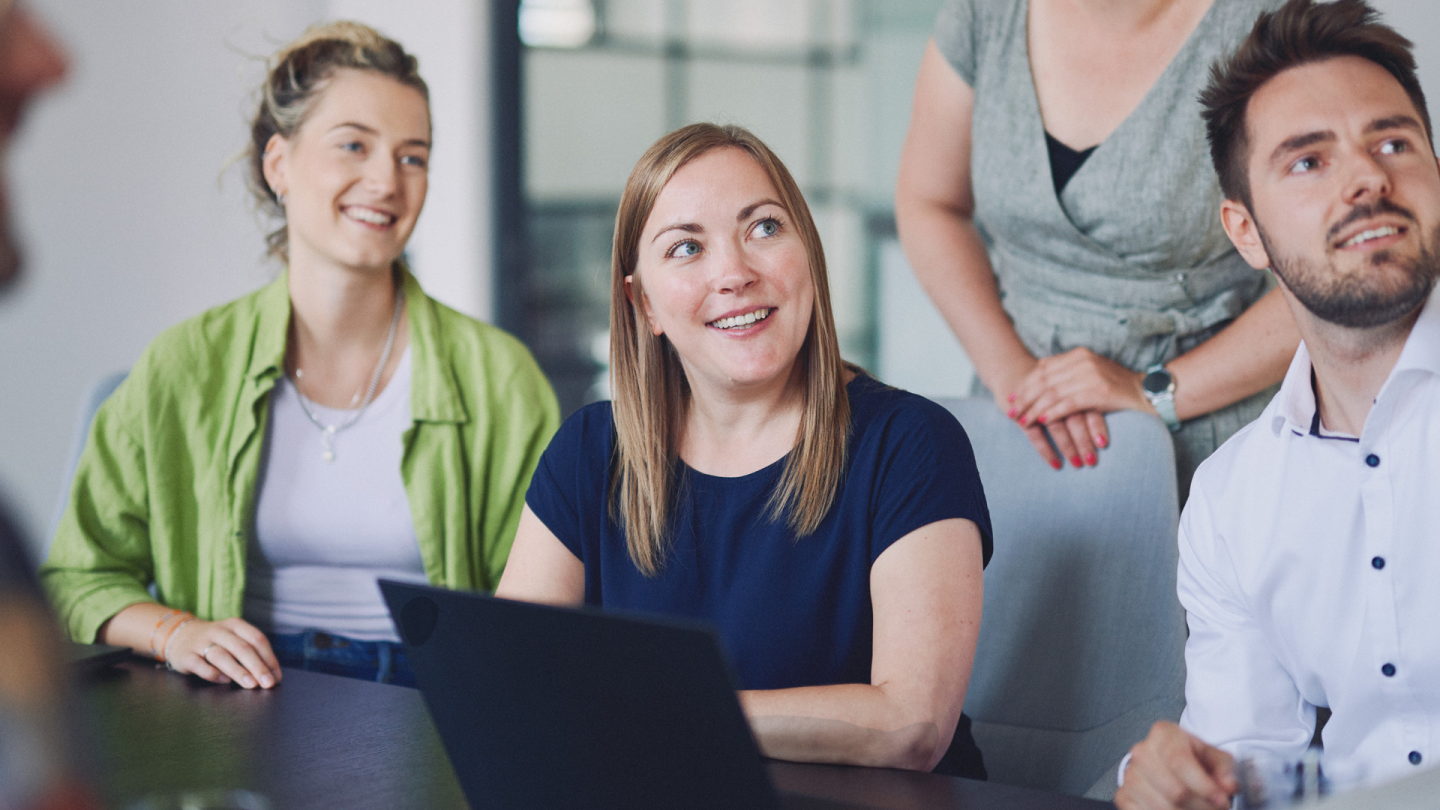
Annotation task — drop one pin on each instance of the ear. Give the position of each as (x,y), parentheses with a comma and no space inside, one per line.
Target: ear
(643,305)
(1244,233)
(273,162)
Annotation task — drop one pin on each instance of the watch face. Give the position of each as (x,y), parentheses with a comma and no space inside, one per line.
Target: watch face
(1157,381)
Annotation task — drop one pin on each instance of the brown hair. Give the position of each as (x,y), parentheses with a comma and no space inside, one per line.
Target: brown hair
(1298,33)
(297,74)
(650,392)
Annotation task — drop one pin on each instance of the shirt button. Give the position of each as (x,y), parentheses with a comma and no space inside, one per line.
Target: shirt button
(1388,670)
(1415,757)
(1377,563)
(1373,460)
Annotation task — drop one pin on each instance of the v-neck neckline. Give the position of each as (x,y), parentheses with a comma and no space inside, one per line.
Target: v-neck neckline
(1145,100)
(1035,137)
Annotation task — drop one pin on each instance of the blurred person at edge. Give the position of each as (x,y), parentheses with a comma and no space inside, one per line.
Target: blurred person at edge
(35,770)
(1308,553)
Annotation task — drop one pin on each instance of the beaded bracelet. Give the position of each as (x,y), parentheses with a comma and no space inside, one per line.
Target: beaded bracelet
(154,653)
(165,648)
(165,640)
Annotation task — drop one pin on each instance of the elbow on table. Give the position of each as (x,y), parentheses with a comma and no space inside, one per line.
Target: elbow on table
(916,747)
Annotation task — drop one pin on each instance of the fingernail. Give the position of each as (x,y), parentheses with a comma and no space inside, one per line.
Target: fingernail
(1011,413)
(248,682)
(1055,464)
(267,682)
(1011,398)
(1040,420)
(1075,461)
(1102,441)
(1090,459)
(1024,421)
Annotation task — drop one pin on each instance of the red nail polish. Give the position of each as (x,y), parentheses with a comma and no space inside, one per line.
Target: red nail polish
(1011,413)
(1055,464)
(1102,441)
(1075,461)
(1090,459)
(1011,399)
(1040,420)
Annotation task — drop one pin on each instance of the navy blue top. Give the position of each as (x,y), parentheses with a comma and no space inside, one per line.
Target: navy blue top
(789,612)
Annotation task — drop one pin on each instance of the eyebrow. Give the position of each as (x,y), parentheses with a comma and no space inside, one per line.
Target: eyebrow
(1296,142)
(695,227)
(373,131)
(1394,122)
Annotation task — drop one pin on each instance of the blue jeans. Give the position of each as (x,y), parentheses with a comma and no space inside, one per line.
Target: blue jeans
(315,651)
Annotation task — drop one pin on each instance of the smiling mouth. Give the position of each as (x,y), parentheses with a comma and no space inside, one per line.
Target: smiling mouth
(1374,233)
(369,216)
(742,320)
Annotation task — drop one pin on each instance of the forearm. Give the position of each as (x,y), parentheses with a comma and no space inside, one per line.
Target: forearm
(1245,358)
(849,724)
(951,263)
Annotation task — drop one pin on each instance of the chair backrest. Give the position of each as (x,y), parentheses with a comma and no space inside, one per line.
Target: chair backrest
(94,398)
(1082,639)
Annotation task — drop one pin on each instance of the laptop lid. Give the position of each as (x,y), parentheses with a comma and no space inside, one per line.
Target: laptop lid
(541,706)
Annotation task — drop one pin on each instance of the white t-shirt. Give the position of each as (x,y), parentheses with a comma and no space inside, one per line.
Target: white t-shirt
(326,530)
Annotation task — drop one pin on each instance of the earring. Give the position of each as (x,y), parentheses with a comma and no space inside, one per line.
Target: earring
(280,198)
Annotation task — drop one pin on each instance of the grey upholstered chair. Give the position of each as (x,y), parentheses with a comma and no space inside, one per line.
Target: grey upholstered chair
(94,398)
(1082,639)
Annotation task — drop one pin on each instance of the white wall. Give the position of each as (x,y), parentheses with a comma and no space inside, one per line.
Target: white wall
(130,227)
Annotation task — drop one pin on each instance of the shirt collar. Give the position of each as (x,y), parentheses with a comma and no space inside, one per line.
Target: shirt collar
(434,395)
(1296,405)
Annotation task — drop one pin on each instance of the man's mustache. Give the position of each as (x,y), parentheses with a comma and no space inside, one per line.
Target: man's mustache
(1384,205)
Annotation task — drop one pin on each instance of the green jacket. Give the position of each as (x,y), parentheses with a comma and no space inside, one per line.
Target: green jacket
(165,489)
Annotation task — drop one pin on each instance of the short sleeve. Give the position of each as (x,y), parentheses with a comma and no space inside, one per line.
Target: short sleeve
(566,480)
(925,473)
(956,35)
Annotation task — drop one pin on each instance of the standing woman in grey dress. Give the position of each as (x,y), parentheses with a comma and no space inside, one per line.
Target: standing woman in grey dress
(1057,202)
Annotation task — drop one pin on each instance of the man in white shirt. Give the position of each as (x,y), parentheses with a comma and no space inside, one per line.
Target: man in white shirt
(1310,546)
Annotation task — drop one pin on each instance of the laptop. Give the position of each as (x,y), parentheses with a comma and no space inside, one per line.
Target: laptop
(542,706)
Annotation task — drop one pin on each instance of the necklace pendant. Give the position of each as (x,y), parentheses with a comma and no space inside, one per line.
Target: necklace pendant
(328,455)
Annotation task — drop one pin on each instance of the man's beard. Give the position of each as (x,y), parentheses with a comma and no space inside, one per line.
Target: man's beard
(1361,301)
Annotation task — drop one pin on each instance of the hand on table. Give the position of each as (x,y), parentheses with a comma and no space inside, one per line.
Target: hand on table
(1069,394)
(224,651)
(1172,769)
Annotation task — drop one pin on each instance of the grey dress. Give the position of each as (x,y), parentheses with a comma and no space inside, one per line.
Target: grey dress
(1130,260)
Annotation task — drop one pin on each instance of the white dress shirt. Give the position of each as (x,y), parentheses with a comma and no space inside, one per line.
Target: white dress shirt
(1310,575)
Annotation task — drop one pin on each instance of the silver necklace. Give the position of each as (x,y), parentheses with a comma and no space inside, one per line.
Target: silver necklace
(327,432)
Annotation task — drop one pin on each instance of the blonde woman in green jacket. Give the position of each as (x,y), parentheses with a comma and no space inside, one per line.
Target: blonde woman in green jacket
(265,462)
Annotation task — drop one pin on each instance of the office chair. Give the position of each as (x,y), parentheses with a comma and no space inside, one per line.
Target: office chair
(1082,639)
(94,398)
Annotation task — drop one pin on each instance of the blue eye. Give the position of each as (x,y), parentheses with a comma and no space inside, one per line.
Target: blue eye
(1305,164)
(413,160)
(766,227)
(683,249)
(353,146)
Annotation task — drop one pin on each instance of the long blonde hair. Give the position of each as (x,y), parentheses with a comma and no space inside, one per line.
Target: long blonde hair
(650,392)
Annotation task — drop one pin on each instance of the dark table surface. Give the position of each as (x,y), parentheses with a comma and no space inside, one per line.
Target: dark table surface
(319,741)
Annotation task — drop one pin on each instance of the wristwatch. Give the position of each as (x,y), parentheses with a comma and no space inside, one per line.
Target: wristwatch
(1159,387)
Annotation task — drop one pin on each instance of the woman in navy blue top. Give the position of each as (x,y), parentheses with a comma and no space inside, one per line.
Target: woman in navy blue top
(831,528)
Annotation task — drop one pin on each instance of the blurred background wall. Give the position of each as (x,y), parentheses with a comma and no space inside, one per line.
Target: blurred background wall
(133,222)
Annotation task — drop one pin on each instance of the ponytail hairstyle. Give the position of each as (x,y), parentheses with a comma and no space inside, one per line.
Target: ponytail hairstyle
(650,395)
(296,76)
